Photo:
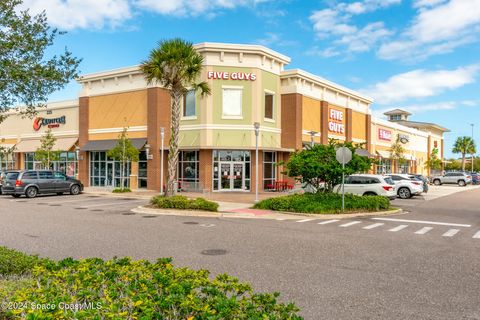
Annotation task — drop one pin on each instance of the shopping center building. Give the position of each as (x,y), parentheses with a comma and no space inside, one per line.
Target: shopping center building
(249,84)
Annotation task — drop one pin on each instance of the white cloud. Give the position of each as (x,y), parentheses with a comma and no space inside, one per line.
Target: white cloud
(274,39)
(438,28)
(421,84)
(335,23)
(192,7)
(428,107)
(325,53)
(84,14)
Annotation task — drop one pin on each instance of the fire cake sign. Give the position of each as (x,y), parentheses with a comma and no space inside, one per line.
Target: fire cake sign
(50,123)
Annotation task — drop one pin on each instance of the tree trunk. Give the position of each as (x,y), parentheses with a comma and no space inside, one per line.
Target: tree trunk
(463,161)
(176,96)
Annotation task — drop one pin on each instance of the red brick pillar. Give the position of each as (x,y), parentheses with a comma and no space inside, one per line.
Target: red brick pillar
(206,169)
(324,122)
(83,161)
(260,171)
(349,125)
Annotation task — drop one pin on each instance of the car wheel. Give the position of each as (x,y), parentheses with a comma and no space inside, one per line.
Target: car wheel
(437,182)
(31,192)
(461,183)
(16,195)
(369,194)
(75,189)
(404,193)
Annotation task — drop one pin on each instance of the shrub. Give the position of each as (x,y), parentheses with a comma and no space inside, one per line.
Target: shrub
(13,262)
(183,203)
(121,190)
(126,289)
(324,203)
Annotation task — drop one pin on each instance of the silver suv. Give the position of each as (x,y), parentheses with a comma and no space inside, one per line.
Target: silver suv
(460,178)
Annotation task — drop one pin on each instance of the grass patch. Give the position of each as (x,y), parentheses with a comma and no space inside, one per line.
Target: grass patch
(324,203)
(13,262)
(183,203)
(129,289)
(121,190)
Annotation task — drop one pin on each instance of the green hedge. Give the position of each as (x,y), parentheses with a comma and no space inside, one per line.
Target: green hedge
(13,262)
(126,289)
(183,203)
(121,190)
(325,203)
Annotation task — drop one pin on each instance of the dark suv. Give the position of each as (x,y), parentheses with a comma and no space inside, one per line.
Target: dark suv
(33,182)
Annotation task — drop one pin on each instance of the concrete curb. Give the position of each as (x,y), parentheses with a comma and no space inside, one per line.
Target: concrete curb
(274,215)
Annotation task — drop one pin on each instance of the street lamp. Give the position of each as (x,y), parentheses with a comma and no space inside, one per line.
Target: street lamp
(256,126)
(312,137)
(162,135)
(472,145)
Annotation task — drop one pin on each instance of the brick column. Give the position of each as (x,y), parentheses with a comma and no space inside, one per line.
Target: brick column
(349,124)
(291,121)
(83,161)
(260,171)
(206,169)
(133,175)
(324,122)
(159,115)
(429,151)
(368,134)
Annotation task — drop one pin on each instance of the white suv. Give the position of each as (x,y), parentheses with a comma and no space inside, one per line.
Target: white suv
(368,185)
(406,187)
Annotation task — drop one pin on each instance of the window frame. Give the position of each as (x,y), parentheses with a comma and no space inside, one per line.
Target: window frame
(184,106)
(230,117)
(272,93)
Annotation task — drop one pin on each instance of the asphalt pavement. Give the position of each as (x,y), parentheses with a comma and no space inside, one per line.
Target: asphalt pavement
(422,264)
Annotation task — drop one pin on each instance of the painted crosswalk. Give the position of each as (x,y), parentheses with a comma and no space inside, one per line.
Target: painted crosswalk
(372,226)
(476,235)
(349,224)
(398,228)
(328,221)
(424,230)
(450,233)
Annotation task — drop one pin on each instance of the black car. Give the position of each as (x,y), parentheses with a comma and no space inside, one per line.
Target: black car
(33,182)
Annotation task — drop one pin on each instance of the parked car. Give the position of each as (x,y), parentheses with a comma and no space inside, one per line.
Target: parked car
(422,178)
(406,187)
(33,182)
(460,178)
(368,185)
(2,177)
(475,178)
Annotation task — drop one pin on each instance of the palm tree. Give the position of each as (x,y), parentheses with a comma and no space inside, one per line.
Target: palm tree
(464,145)
(175,65)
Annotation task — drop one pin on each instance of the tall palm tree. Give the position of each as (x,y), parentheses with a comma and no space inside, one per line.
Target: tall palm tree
(176,66)
(464,145)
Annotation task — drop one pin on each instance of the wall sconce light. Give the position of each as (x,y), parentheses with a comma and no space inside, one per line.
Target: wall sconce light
(147,151)
(77,153)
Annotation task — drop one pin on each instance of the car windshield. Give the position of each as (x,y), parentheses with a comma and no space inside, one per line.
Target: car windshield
(12,175)
(389,181)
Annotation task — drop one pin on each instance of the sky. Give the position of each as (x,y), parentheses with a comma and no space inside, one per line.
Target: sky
(422,56)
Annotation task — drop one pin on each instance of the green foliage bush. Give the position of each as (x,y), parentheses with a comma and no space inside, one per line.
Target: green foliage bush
(121,190)
(183,203)
(324,203)
(126,289)
(13,262)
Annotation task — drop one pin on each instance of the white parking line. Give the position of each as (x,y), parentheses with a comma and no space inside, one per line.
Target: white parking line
(450,233)
(425,222)
(350,224)
(400,227)
(280,219)
(477,235)
(328,221)
(373,226)
(305,220)
(111,204)
(424,230)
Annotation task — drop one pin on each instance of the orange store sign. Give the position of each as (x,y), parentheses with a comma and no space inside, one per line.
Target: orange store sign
(223,75)
(335,123)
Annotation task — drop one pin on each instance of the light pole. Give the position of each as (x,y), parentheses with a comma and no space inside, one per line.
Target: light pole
(162,135)
(256,126)
(473,142)
(312,137)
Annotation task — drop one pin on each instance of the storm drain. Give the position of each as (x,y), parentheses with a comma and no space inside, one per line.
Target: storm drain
(42,203)
(128,213)
(190,222)
(31,235)
(96,210)
(214,252)
(80,208)
(21,200)
(149,217)
(127,199)
(55,205)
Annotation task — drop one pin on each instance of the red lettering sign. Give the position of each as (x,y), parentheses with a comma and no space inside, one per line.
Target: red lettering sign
(336,121)
(223,75)
(384,134)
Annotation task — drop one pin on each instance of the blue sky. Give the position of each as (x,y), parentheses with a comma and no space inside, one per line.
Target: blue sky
(419,55)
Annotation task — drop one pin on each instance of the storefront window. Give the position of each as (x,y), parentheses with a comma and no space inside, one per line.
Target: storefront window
(188,170)
(269,170)
(66,163)
(404,167)
(232,102)
(106,172)
(189,104)
(7,161)
(384,166)
(142,169)
(231,170)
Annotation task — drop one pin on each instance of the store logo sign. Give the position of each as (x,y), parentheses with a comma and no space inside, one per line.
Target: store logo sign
(222,75)
(404,138)
(50,123)
(384,134)
(335,123)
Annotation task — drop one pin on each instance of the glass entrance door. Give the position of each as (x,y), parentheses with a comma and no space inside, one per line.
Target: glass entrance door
(232,176)
(109,177)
